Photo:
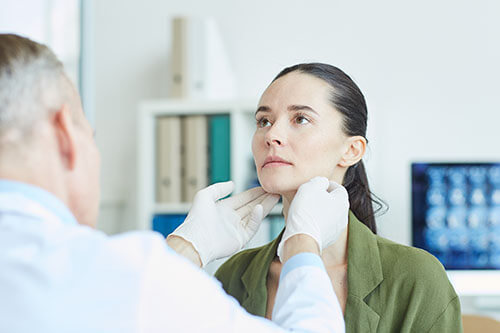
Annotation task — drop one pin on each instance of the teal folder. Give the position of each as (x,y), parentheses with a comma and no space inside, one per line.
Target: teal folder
(220,149)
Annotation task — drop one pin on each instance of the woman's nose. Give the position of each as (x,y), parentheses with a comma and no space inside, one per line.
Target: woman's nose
(275,142)
(274,136)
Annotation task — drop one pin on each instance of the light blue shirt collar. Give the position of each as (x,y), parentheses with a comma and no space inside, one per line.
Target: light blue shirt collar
(44,198)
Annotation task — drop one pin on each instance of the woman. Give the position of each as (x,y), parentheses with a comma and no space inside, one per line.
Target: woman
(311,121)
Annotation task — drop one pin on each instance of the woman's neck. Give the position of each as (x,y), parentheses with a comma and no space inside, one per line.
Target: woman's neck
(335,254)
(287,200)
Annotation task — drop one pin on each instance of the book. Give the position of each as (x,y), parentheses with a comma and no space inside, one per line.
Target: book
(220,149)
(194,155)
(168,159)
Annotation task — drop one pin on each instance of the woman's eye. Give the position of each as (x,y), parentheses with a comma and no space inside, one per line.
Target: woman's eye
(301,120)
(263,122)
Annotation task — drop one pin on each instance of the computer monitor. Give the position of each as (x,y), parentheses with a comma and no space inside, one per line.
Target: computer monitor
(456,213)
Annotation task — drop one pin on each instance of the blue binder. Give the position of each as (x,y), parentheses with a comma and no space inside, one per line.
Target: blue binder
(166,224)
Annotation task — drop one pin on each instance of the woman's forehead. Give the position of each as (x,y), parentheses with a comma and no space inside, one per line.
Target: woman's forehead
(296,89)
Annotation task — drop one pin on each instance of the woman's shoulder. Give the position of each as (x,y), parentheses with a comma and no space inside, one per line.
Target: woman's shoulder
(412,267)
(398,255)
(417,287)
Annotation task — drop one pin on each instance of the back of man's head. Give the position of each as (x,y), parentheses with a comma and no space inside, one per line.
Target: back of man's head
(32,85)
(45,139)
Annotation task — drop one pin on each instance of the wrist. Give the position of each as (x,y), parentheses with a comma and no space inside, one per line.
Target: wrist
(185,249)
(299,243)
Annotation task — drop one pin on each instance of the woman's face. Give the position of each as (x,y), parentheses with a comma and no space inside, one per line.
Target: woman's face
(299,134)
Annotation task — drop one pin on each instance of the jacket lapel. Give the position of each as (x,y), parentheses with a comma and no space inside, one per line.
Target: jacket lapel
(364,274)
(255,278)
(360,317)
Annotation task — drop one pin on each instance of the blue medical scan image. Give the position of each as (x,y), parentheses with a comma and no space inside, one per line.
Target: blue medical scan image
(456,213)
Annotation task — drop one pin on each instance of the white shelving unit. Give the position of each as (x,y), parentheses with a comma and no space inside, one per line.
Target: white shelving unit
(242,127)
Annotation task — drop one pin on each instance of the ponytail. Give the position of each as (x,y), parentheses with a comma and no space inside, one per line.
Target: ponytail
(361,199)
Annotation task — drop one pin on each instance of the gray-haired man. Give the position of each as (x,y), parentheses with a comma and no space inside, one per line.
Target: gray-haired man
(58,274)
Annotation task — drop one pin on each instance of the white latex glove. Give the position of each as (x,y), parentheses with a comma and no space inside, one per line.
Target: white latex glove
(219,228)
(320,209)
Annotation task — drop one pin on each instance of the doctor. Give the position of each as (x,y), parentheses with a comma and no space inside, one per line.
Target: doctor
(58,274)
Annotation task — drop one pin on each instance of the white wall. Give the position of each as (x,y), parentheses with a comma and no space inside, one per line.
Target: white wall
(429,71)
(55,23)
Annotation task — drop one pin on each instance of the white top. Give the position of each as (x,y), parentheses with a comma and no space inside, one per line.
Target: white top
(59,276)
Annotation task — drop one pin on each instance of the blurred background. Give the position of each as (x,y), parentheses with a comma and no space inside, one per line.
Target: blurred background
(429,71)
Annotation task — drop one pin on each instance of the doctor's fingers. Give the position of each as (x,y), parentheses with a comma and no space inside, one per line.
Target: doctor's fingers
(241,199)
(216,191)
(252,223)
(259,213)
(333,186)
(315,184)
(245,210)
(267,201)
(337,191)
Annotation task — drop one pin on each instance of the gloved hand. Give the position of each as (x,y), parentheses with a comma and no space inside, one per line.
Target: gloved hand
(218,228)
(319,209)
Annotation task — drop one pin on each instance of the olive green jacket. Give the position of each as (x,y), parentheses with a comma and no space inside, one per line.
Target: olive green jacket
(391,287)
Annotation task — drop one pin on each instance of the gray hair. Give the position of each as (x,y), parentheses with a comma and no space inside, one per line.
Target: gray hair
(33,84)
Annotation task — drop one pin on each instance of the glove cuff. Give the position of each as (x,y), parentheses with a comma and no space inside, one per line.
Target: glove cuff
(205,256)
(286,236)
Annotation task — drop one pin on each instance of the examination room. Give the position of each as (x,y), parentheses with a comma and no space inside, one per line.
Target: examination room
(270,166)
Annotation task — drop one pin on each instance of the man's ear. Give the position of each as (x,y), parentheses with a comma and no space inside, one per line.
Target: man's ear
(62,122)
(354,152)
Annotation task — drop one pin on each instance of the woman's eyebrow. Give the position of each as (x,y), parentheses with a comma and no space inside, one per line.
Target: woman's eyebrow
(263,109)
(294,107)
(301,108)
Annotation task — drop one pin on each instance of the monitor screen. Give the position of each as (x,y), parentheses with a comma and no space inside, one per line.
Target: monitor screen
(456,213)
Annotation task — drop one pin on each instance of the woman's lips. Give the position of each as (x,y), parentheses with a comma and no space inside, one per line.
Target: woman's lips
(275,161)
(275,164)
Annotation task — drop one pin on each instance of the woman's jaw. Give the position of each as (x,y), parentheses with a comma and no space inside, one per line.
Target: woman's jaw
(287,187)
(287,182)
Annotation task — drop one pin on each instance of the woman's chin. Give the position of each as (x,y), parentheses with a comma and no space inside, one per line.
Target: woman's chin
(276,188)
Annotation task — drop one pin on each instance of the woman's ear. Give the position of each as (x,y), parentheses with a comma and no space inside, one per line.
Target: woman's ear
(354,152)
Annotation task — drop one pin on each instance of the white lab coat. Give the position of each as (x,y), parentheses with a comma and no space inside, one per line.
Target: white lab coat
(59,276)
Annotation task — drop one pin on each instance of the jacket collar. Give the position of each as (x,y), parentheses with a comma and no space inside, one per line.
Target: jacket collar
(364,268)
(364,274)
(255,278)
